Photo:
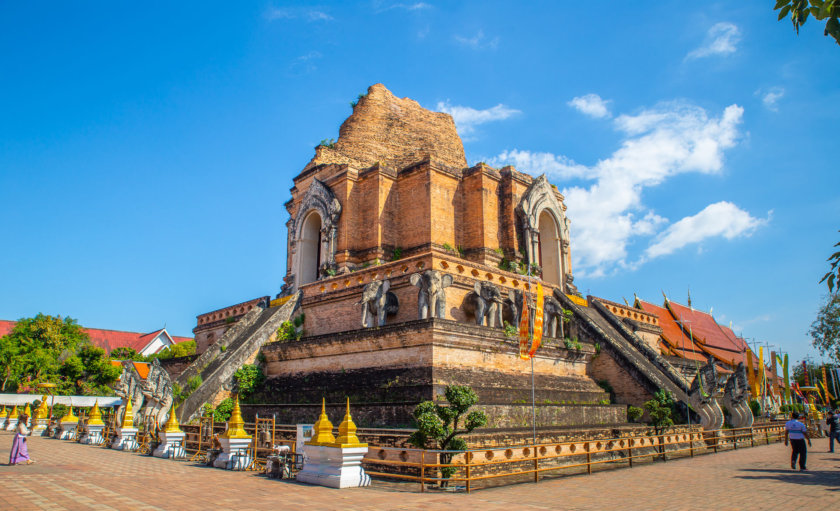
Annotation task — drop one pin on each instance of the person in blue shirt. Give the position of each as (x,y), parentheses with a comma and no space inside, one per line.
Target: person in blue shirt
(833,423)
(797,433)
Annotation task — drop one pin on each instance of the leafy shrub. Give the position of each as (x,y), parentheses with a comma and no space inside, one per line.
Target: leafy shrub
(222,412)
(194,382)
(397,255)
(511,332)
(755,407)
(327,142)
(634,413)
(572,344)
(249,378)
(659,409)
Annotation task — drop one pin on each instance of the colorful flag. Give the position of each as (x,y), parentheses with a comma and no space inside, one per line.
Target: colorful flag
(807,380)
(538,322)
(787,380)
(751,374)
(524,328)
(825,384)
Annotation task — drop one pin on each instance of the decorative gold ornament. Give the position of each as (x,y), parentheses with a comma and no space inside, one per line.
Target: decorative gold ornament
(68,417)
(3,412)
(95,417)
(235,426)
(322,430)
(128,416)
(172,425)
(347,432)
(43,410)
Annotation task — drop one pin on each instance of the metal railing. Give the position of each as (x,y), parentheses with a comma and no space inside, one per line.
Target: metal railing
(476,468)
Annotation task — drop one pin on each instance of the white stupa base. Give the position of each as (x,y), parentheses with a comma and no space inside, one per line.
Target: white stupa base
(40,427)
(171,445)
(11,424)
(126,440)
(235,455)
(67,431)
(334,467)
(93,435)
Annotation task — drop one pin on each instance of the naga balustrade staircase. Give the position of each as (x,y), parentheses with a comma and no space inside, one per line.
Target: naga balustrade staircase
(630,352)
(240,343)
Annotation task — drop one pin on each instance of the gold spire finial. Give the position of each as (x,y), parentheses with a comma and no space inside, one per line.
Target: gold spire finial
(322,430)
(69,417)
(172,425)
(14,413)
(235,426)
(347,431)
(27,410)
(128,416)
(95,417)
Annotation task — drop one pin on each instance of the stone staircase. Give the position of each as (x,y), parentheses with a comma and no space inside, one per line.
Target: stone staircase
(634,355)
(239,345)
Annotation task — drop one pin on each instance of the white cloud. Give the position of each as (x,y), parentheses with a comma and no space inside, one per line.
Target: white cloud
(305,63)
(417,6)
(591,105)
(608,215)
(467,118)
(720,40)
(275,13)
(719,219)
(770,97)
(478,41)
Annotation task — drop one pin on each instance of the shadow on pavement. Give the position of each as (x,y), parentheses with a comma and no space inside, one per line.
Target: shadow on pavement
(829,478)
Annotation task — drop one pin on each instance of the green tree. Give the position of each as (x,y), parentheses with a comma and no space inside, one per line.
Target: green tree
(833,274)
(825,330)
(55,350)
(659,409)
(439,424)
(182,349)
(126,353)
(799,10)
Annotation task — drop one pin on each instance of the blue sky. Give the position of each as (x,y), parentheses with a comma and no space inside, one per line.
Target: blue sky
(145,154)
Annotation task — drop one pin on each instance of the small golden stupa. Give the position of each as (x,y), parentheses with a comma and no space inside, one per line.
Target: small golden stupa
(347,432)
(322,430)
(68,417)
(13,415)
(95,417)
(172,425)
(27,410)
(3,412)
(235,426)
(128,416)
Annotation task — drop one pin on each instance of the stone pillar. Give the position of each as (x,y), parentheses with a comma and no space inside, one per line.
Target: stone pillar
(331,462)
(66,429)
(235,443)
(126,434)
(94,427)
(171,439)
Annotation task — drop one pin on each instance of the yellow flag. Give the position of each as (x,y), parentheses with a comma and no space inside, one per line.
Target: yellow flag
(751,374)
(524,330)
(538,322)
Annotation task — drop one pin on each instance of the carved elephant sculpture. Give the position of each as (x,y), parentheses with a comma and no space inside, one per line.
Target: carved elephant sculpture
(377,302)
(552,317)
(431,299)
(485,303)
(513,308)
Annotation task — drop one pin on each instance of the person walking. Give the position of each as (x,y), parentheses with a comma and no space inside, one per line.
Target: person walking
(833,422)
(20,453)
(797,433)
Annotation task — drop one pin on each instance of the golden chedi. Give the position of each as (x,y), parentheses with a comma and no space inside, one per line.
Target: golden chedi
(128,416)
(235,426)
(322,430)
(172,425)
(347,432)
(95,417)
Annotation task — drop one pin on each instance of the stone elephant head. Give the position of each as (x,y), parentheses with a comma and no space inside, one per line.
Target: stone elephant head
(377,302)
(431,299)
(485,303)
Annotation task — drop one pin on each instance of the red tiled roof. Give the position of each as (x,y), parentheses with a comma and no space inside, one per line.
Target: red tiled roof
(110,340)
(703,327)
(673,334)
(141,367)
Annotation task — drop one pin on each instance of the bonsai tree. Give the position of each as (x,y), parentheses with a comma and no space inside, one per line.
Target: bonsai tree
(659,409)
(440,424)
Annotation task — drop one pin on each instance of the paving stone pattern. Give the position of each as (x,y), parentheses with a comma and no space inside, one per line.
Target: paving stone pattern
(77,477)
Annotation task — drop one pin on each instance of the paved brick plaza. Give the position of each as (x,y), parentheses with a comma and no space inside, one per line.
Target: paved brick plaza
(73,476)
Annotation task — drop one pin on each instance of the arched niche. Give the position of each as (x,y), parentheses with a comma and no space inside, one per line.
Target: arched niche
(545,233)
(549,249)
(309,249)
(312,235)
